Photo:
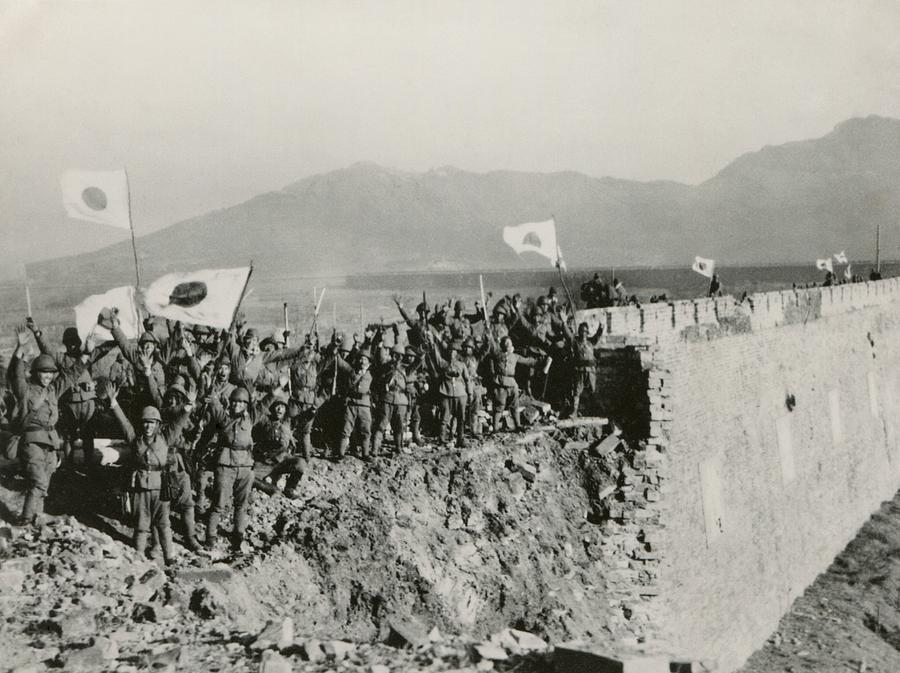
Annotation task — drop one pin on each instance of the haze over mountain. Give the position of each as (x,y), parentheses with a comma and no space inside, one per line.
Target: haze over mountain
(788,203)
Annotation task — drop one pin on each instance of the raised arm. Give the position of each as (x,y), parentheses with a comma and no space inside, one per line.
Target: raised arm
(124,423)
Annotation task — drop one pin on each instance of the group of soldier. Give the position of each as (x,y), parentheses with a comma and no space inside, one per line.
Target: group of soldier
(195,405)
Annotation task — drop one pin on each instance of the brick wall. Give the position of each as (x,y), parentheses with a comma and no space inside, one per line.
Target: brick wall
(770,428)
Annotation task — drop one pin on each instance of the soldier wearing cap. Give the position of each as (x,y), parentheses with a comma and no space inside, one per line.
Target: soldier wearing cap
(37,412)
(474,388)
(505,389)
(251,367)
(584,362)
(146,360)
(393,383)
(274,446)
(152,460)
(453,377)
(75,361)
(416,388)
(233,475)
(356,386)
(306,396)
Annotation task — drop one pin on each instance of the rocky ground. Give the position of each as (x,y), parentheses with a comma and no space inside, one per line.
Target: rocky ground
(849,618)
(438,560)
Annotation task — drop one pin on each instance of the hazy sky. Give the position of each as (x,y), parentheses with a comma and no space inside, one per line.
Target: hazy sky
(208,104)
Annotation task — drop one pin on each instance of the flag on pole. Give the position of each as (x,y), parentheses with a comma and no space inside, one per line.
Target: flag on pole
(848,274)
(703,266)
(841,258)
(97,196)
(825,264)
(121,298)
(207,297)
(539,237)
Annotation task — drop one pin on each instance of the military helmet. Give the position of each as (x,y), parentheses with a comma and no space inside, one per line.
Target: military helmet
(468,343)
(177,388)
(278,398)
(364,353)
(459,305)
(70,336)
(542,301)
(239,395)
(147,337)
(151,414)
(44,363)
(251,333)
(455,345)
(398,349)
(422,307)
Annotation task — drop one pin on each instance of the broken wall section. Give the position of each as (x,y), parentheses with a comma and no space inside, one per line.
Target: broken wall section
(771,423)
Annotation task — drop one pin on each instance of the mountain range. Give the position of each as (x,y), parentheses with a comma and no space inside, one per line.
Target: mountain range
(786,203)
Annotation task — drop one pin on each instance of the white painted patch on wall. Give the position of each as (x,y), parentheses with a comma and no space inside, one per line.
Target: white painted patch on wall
(786,448)
(872,379)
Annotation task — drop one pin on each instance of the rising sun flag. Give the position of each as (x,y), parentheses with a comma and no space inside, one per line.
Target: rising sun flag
(704,266)
(97,196)
(207,297)
(539,237)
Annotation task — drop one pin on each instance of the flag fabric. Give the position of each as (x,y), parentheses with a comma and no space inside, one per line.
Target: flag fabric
(97,196)
(841,258)
(703,266)
(539,237)
(848,274)
(207,297)
(121,298)
(825,264)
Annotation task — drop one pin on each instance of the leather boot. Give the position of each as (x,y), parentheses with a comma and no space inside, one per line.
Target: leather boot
(212,530)
(190,533)
(237,540)
(377,439)
(416,437)
(306,446)
(29,509)
(344,446)
(165,541)
(140,542)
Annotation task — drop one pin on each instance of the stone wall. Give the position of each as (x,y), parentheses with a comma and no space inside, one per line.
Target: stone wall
(768,429)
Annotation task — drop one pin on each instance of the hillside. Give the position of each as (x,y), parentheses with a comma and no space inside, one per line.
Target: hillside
(780,204)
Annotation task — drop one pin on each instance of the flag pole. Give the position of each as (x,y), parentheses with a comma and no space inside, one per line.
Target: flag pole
(28,298)
(137,269)
(559,268)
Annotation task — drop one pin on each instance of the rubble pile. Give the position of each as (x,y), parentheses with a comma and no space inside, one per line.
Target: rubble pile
(409,562)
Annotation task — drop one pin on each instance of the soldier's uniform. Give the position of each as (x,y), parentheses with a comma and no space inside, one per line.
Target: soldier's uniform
(454,383)
(305,398)
(260,368)
(142,396)
(393,383)
(584,364)
(233,475)
(150,458)
(505,387)
(37,412)
(274,449)
(474,388)
(358,410)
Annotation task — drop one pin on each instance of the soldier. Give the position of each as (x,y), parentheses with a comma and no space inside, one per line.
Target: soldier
(584,362)
(460,323)
(152,460)
(505,388)
(74,360)
(418,327)
(233,474)
(416,388)
(357,382)
(453,379)
(393,382)
(37,412)
(250,367)
(274,447)
(215,382)
(145,359)
(474,388)
(305,397)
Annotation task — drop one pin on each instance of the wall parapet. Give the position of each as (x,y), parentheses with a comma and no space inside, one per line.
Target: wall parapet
(760,310)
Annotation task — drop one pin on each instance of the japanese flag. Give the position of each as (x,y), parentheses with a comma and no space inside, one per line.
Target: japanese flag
(207,297)
(121,298)
(539,237)
(824,264)
(97,196)
(841,257)
(703,266)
